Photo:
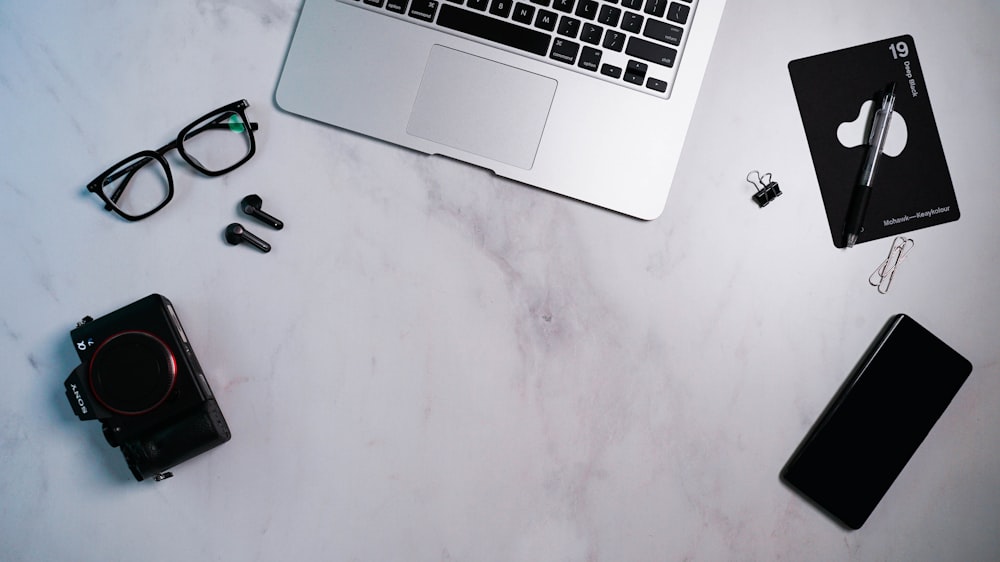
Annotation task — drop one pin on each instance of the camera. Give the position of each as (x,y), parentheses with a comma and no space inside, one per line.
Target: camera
(139,376)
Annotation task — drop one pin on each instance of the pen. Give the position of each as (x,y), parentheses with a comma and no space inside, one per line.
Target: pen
(863,189)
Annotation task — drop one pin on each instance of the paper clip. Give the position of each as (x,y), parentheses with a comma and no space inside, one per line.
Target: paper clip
(767,190)
(883,275)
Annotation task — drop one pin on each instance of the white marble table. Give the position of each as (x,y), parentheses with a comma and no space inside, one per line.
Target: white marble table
(434,364)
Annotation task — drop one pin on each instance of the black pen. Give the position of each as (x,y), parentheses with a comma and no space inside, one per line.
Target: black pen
(863,189)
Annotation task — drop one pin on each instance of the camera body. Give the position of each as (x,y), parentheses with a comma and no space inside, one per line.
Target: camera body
(139,376)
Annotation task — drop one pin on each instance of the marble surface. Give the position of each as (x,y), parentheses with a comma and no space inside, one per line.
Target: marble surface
(436,364)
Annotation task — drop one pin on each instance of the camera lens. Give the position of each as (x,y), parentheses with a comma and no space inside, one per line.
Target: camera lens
(132,372)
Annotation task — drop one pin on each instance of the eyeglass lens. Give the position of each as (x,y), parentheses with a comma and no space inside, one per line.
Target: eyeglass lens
(218,142)
(148,185)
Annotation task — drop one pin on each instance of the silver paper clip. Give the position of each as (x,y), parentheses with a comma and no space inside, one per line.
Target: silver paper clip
(767,190)
(882,277)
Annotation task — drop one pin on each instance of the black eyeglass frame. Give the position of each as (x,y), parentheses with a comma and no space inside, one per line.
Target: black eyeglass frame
(142,158)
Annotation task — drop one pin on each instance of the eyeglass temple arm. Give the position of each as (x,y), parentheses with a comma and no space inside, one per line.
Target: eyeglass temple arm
(161,151)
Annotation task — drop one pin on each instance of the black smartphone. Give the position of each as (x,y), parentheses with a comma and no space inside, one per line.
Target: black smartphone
(875,423)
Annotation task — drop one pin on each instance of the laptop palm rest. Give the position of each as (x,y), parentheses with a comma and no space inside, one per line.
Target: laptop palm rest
(481,107)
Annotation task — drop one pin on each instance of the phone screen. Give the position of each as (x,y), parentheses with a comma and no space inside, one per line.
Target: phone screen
(876,421)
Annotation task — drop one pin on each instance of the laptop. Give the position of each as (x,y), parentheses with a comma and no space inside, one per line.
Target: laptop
(590,99)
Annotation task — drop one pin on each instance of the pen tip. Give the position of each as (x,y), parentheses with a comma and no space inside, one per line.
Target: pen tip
(851,239)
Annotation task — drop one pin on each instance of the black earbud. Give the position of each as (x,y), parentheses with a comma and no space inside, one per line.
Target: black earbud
(251,205)
(235,234)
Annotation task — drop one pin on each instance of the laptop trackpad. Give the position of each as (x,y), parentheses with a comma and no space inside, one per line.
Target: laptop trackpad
(481,106)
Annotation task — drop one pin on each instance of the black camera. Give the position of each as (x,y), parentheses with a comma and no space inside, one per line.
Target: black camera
(140,377)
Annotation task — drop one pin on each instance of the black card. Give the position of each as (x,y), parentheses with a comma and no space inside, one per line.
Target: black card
(913,188)
(876,421)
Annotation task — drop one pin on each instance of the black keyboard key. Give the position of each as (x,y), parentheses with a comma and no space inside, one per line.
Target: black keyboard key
(614,41)
(590,58)
(546,20)
(563,5)
(542,2)
(591,33)
(652,52)
(609,15)
(632,4)
(656,7)
(565,51)
(568,27)
(657,85)
(587,9)
(656,29)
(611,70)
(523,13)
(501,8)
(485,27)
(635,72)
(397,6)
(423,9)
(376,3)
(480,5)
(632,22)
(678,13)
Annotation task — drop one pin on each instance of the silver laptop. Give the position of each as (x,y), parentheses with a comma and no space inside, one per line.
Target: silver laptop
(587,98)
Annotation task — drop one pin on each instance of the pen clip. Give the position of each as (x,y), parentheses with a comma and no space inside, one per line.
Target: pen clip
(880,121)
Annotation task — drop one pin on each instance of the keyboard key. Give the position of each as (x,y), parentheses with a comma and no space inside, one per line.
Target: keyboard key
(563,5)
(541,2)
(590,58)
(652,52)
(635,72)
(490,29)
(654,84)
(500,8)
(523,13)
(480,5)
(423,9)
(546,20)
(568,27)
(591,33)
(614,40)
(678,13)
(656,7)
(632,4)
(564,51)
(397,6)
(632,22)
(376,3)
(587,9)
(609,15)
(611,70)
(656,29)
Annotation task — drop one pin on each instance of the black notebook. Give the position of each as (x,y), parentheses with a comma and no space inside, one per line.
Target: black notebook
(875,423)
(912,188)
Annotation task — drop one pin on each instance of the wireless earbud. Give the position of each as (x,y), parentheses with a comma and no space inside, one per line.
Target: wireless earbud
(251,205)
(235,234)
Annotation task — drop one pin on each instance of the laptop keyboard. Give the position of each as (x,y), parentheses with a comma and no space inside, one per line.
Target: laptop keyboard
(633,43)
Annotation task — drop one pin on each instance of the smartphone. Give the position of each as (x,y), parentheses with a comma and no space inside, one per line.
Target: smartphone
(876,421)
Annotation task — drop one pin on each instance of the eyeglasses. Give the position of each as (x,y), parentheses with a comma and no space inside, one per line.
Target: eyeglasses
(216,143)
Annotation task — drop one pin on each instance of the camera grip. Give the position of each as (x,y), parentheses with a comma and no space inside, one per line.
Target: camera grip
(204,429)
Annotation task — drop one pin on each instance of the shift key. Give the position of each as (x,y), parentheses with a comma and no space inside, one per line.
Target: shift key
(652,52)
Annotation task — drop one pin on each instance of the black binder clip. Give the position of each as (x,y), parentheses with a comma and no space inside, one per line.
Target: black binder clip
(767,190)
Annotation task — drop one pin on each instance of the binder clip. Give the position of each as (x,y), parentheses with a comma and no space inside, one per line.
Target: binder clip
(767,190)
